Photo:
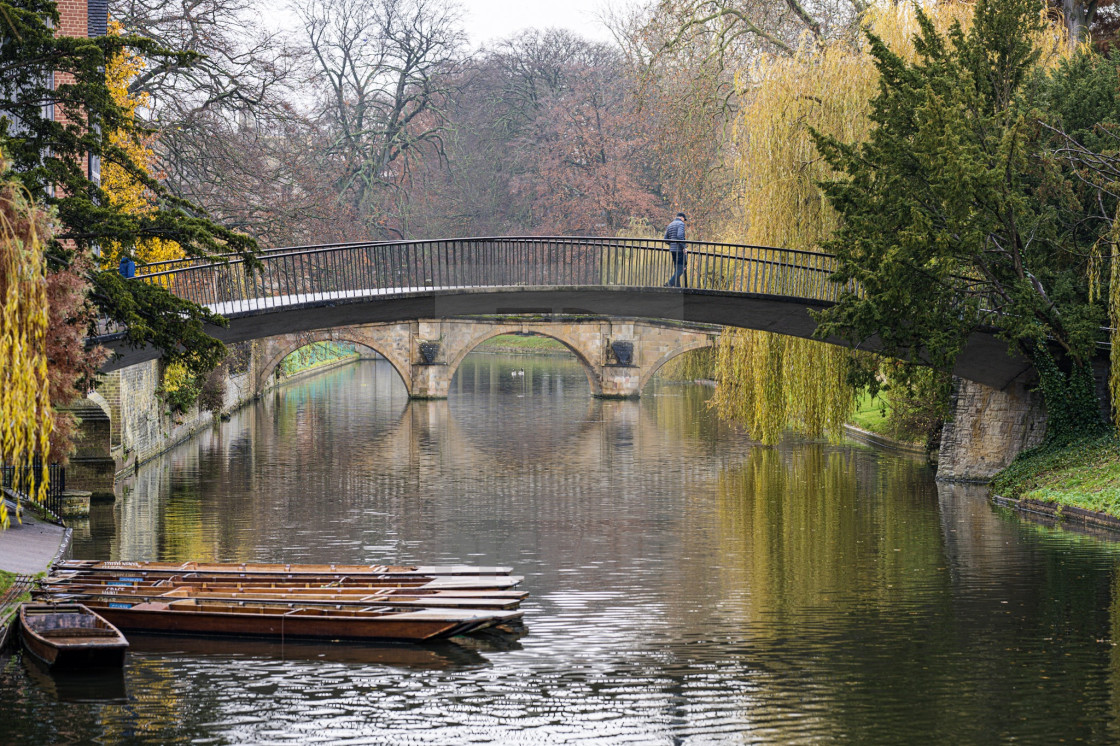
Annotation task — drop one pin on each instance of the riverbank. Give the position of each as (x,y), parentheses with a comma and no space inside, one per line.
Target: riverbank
(519,344)
(870,426)
(30,546)
(1084,476)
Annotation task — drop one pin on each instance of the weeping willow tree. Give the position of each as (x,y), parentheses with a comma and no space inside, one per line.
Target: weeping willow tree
(695,365)
(768,383)
(1114,324)
(25,409)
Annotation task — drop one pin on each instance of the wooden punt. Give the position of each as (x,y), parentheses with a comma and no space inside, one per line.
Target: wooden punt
(305,596)
(271,568)
(447,582)
(112,585)
(71,636)
(280,620)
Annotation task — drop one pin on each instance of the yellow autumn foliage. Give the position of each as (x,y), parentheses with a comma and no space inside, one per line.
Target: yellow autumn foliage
(25,407)
(769,383)
(123,189)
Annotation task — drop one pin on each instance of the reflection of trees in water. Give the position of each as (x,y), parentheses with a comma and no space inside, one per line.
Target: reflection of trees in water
(147,703)
(675,405)
(816,525)
(349,447)
(851,575)
(1114,660)
(294,462)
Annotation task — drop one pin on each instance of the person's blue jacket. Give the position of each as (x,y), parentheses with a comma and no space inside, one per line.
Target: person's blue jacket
(674,234)
(128,267)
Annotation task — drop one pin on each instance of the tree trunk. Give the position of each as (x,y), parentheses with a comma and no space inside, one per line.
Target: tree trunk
(1079,16)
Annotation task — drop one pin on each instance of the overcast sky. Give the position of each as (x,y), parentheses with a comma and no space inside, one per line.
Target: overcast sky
(487,20)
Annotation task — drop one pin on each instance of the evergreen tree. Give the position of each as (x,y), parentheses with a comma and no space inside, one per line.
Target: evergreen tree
(49,132)
(955,214)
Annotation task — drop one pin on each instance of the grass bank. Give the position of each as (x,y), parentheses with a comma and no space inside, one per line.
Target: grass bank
(870,414)
(519,344)
(316,355)
(1084,475)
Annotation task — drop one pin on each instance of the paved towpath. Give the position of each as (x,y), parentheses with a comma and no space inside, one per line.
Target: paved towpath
(27,548)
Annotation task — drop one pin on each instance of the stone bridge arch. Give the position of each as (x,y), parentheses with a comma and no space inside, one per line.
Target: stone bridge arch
(648,372)
(618,356)
(467,346)
(275,349)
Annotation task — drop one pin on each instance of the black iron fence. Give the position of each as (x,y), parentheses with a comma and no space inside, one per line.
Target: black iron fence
(25,481)
(338,271)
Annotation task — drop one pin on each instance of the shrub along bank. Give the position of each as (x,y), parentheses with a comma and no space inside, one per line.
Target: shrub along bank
(1083,473)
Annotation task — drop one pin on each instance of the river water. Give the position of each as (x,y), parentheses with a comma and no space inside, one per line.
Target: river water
(687,586)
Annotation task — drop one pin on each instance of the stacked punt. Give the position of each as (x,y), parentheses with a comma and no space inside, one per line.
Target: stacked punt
(326,602)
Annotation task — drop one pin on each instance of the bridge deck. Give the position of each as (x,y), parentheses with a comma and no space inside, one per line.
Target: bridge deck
(320,287)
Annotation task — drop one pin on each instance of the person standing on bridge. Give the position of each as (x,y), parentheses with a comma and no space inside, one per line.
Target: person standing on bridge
(674,234)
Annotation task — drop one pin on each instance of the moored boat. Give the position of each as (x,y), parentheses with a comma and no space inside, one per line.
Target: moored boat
(54,587)
(281,620)
(303,596)
(71,636)
(428,582)
(270,568)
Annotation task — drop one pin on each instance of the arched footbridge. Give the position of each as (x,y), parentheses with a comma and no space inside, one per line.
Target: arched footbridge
(345,285)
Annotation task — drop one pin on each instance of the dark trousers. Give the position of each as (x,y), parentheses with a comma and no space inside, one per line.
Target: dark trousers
(679,258)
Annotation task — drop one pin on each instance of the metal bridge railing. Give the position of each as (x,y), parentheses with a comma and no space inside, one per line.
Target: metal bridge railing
(311,273)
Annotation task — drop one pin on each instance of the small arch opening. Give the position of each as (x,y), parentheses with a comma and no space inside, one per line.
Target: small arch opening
(323,356)
(316,356)
(692,365)
(522,364)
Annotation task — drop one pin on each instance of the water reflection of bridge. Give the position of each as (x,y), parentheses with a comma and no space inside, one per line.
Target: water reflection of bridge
(805,559)
(403,455)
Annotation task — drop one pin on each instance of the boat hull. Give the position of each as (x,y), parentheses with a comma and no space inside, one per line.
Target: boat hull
(300,623)
(278,568)
(419,582)
(265,595)
(54,635)
(57,659)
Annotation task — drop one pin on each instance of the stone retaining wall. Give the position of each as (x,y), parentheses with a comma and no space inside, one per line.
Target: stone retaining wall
(125,422)
(146,428)
(988,429)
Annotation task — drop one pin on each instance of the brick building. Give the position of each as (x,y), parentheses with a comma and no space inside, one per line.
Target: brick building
(81,18)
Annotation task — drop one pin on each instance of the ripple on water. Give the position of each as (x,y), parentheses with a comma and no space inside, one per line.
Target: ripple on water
(687,587)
